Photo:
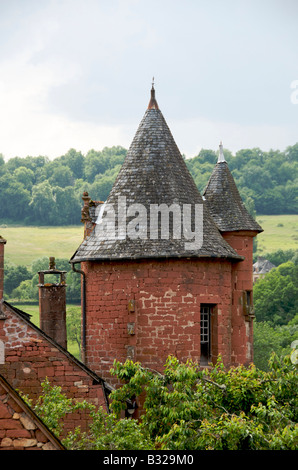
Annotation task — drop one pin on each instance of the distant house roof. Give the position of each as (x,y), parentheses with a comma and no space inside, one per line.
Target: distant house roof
(154,172)
(224,201)
(262,266)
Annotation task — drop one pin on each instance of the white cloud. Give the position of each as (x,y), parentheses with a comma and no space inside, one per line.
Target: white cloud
(24,89)
(72,73)
(192,135)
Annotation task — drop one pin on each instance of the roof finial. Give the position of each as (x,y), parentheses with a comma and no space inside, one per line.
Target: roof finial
(221,157)
(153,103)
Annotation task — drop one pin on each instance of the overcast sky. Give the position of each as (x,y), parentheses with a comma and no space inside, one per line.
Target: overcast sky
(77,73)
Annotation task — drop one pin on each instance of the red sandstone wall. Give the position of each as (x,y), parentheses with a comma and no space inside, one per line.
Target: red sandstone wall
(30,358)
(2,243)
(166,317)
(17,430)
(242,281)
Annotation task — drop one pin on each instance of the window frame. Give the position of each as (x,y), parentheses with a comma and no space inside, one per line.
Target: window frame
(206,331)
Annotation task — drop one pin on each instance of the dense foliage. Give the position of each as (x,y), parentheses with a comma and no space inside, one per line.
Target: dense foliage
(276,294)
(270,338)
(40,191)
(21,283)
(276,308)
(187,408)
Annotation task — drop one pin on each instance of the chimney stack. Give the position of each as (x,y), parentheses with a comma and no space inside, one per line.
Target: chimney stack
(52,304)
(2,243)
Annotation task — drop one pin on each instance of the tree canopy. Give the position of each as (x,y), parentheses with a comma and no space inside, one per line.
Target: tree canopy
(186,408)
(276,295)
(41,191)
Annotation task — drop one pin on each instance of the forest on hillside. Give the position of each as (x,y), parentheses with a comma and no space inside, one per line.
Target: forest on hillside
(40,191)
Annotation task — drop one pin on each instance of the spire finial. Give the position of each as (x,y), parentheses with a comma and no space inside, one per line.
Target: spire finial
(221,157)
(153,103)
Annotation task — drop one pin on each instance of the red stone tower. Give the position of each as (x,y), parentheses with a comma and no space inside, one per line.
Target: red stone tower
(147,292)
(238,228)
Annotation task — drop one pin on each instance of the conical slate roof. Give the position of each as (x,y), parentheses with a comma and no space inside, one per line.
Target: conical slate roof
(224,201)
(153,173)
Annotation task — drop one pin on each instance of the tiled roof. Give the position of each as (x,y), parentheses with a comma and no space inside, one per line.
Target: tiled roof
(154,172)
(224,201)
(21,428)
(263,266)
(26,317)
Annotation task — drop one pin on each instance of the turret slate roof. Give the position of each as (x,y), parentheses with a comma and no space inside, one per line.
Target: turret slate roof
(153,172)
(224,201)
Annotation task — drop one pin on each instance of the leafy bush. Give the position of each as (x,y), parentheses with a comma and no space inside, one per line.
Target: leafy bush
(187,408)
(276,294)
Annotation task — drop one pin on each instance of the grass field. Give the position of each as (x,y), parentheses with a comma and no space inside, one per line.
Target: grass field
(26,244)
(280,233)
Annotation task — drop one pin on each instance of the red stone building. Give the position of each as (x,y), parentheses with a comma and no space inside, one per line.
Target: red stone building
(152,293)
(28,356)
(20,428)
(164,271)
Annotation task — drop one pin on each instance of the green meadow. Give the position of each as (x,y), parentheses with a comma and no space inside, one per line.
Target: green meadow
(280,233)
(26,244)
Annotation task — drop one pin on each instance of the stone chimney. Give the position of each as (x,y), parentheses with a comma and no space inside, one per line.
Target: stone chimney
(52,303)
(2,243)
(89,213)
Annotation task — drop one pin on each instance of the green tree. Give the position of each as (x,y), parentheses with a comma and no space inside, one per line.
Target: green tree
(2,165)
(15,199)
(25,291)
(291,153)
(102,185)
(276,294)
(53,405)
(280,256)
(74,325)
(22,284)
(43,203)
(62,176)
(290,197)
(186,408)
(270,339)
(73,280)
(14,275)
(25,176)
(97,163)
(73,291)
(75,161)
(66,210)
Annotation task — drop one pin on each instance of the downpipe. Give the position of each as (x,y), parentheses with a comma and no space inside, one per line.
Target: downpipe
(83,349)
